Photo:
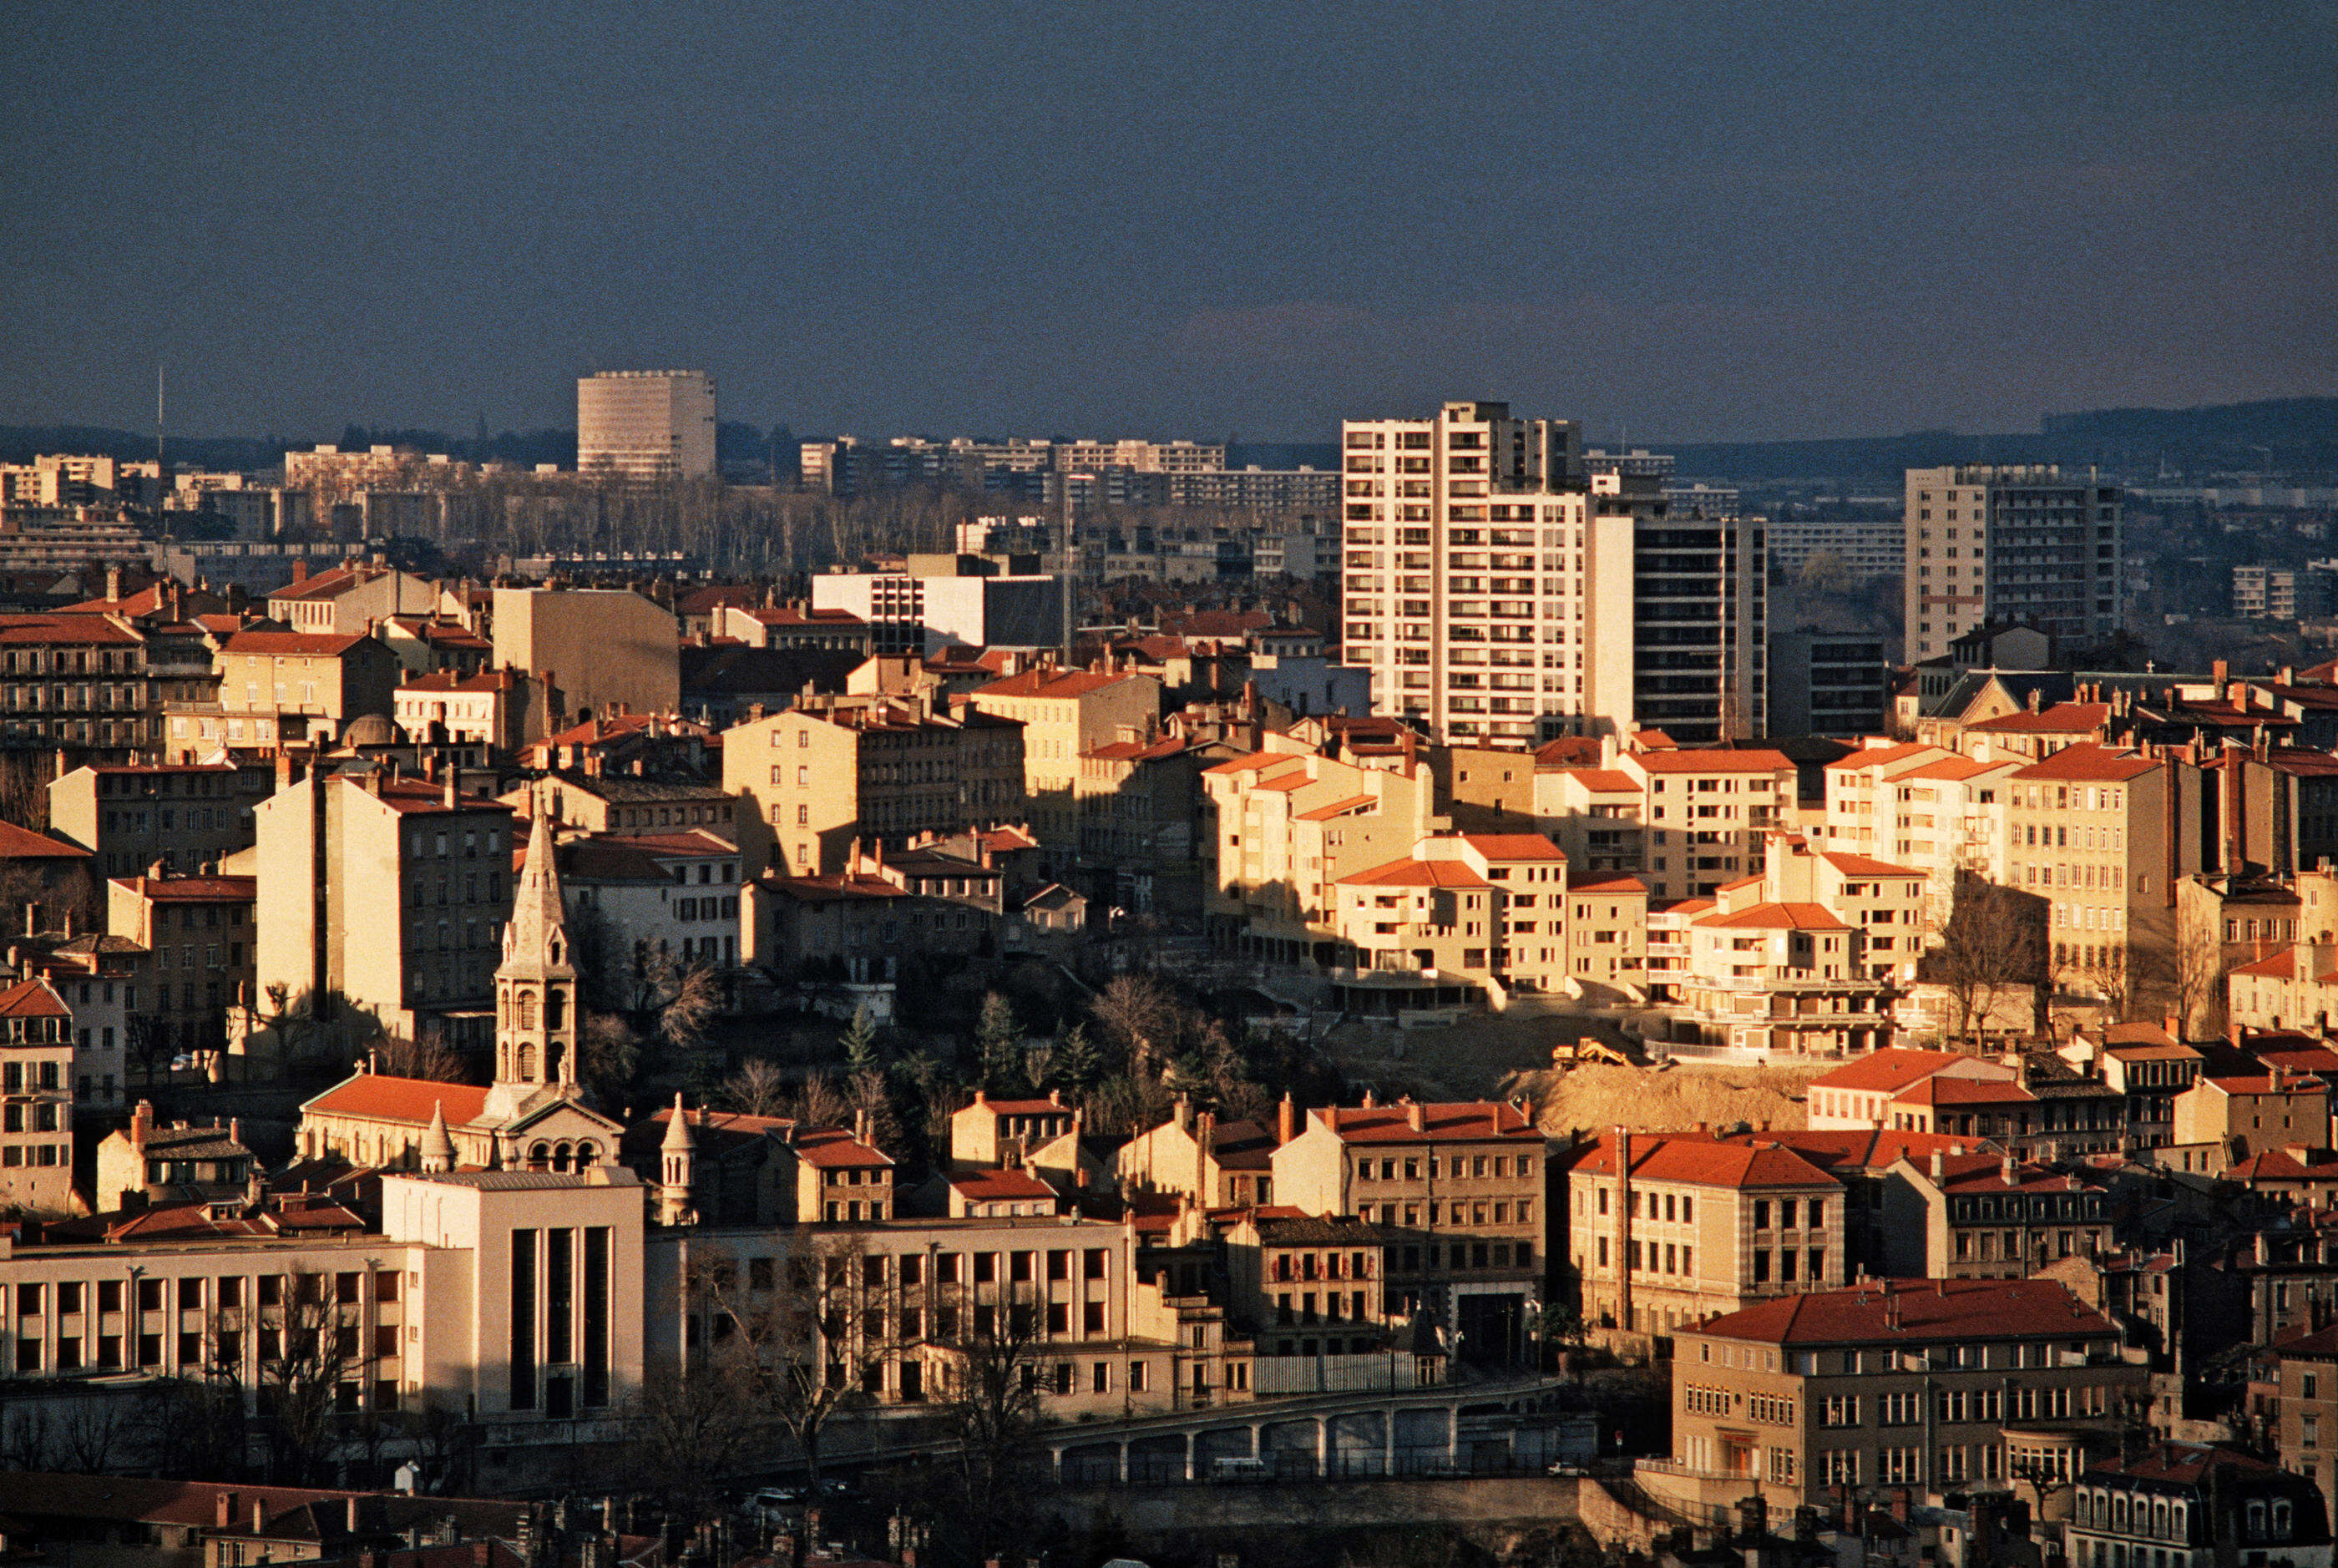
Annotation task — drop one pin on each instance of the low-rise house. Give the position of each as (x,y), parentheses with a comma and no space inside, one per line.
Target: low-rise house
(2250,1113)
(1218,1164)
(146,1162)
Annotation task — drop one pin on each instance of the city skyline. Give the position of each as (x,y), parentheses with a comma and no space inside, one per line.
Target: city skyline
(1959,221)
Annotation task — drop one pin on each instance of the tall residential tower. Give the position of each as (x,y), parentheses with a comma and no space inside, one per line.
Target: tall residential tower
(2023,543)
(1505,590)
(646,424)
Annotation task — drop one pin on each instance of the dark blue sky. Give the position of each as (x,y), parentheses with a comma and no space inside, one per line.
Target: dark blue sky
(1682,222)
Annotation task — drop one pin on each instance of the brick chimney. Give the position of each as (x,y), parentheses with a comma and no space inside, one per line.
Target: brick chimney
(1286,1121)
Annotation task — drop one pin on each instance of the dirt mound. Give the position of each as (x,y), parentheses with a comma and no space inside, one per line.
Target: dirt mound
(1596,1097)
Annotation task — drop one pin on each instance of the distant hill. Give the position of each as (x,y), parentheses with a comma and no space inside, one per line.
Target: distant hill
(2298,436)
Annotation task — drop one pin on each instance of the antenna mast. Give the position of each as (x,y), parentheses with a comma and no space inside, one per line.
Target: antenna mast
(158,430)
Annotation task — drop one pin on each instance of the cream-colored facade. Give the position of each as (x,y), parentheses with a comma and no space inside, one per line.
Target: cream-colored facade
(1773,967)
(1489,908)
(1500,593)
(602,647)
(1290,825)
(1709,815)
(384,894)
(1702,1227)
(1066,714)
(36,1099)
(1607,935)
(830,772)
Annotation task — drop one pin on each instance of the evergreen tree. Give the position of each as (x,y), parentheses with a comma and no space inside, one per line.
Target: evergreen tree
(998,1045)
(860,1042)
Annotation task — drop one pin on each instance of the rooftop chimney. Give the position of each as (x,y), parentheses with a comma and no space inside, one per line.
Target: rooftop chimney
(1286,1120)
(1416,1116)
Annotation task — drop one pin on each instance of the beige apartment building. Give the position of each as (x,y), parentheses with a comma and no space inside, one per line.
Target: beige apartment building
(2241,1114)
(185,815)
(75,680)
(1663,1231)
(1486,910)
(383,896)
(1886,902)
(2097,833)
(1066,714)
(1500,591)
(1607,935)
(1782,961)
(200,955)
(1934,1384)
(1468,1177)
(645,425)
(350,601)
(831,772)
(1708,815)
(2021,542)
(36,1099)
(1594,814)
(605,649)
(1988,1217)
(1866,1095)
(280,688)
(1290,824)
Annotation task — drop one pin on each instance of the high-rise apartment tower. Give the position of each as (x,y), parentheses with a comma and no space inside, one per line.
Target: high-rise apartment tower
(2023,542)
(1504,590)
(646,424)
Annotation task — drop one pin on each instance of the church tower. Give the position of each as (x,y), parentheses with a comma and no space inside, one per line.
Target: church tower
(536,987)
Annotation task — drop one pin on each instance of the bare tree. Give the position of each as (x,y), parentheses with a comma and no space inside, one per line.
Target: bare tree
(1141,1019)
(1994,941)
(311,1368)
(757,1089)
(993,1410)
(814,1339)
(818,1103)
(689,1007)
(424,1057)
(692,1429)
(2197,971)
(608,1053)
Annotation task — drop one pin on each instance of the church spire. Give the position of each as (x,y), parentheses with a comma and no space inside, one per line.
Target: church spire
(437,1145)
(535,983)
(538,916)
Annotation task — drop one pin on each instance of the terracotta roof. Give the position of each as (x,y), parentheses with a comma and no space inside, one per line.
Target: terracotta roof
(1610,780)
(1752,760)
(43,629)
(1468,1119)
(1916,1311)
(834,1149)
(2267,1083)
(32,999)
(1021,1107)
(383,1098)
(1971,1172)
(2188,1464)
(1777,918)
(1410,873)
(991,1186)
(291,644)
(1892,1068)
(1862,865)
(2061,719)
(1513,847)
(449,681)
(1610,885)
(2280,1165)
(2282,965)
(191,889)
(1952,769)
(1938,1090)
(2137,1033)
(1569,751)
(1250,762)
(2090,764)
(1052,683)
(1861,1148)
(1878,756)
(1338,808)
(323,586)
(1707,1161)
(795,615)
(24,844)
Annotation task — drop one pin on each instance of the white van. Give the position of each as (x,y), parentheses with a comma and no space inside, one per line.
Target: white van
(1241,1467)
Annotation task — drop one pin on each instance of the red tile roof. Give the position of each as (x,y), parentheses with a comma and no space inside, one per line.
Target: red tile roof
(1410,873)
(992,1186)
(1338,808)
(32,999)
(1894,1067)
(1777,918)
(1916,1311)
(1963,1092)
(1468,1119)
(192,889)
(2062,719)
(383,1098)
(1863,866)
(1878,756)
(1752,760)
(2090,764)
(24,844)
(293,644)
(44,629)
(1606,781)
(1610,885)
(834,1149)
(1513,847)
(1707,1161)
(1054,684)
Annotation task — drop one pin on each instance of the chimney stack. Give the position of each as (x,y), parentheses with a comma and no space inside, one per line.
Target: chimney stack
(1286,1121)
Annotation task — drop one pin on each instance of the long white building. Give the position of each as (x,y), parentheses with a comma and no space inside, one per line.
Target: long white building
(1506,591)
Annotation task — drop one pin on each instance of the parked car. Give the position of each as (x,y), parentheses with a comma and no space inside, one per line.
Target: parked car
(1240,1467)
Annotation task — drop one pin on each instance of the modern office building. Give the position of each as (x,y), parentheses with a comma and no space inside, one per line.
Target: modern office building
(1505,588)
(646,424)
(2025,543)
(1824,684)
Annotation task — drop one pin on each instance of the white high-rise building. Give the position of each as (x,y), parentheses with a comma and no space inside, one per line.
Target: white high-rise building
(1497,589)
(646,424)
(2023,543)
